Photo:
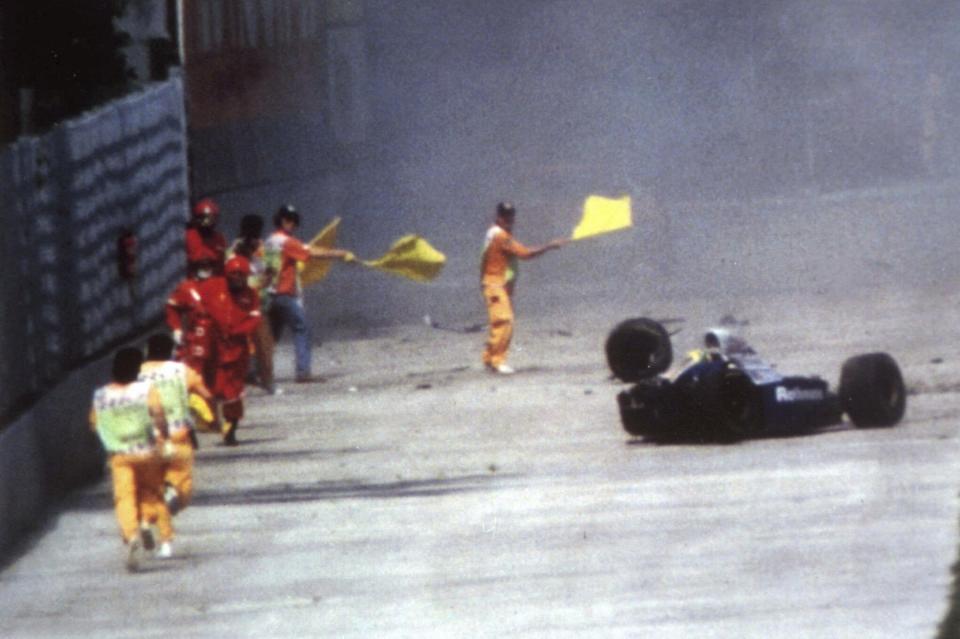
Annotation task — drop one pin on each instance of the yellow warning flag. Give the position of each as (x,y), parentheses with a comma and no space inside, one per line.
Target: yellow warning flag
(603,215)
(314,269)
(412,257)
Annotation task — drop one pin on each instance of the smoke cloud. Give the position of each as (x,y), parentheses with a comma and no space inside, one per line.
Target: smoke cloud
(769,146)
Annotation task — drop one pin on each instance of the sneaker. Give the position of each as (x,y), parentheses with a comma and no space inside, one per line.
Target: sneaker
(134,547)
(146,537)
(165,551)
(310,379)
(504,369)
(172,498)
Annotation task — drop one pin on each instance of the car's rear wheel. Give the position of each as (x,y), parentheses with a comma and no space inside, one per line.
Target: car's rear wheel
(871,390)
(637,349)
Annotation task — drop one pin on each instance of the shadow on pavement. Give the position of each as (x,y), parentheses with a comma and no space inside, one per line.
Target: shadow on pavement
(100,499)
(335,490)
(237,454)
(688,439)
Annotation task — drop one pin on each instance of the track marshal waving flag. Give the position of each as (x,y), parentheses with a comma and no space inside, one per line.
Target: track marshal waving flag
(316,269)
(411,257)
(603,215)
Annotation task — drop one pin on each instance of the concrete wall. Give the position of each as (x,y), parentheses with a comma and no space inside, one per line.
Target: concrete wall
(66,197)
(48,451)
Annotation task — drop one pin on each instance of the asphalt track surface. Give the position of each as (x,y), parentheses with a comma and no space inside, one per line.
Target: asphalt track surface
(412,494)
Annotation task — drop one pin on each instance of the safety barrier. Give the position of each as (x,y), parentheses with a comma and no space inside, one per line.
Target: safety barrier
(66,198)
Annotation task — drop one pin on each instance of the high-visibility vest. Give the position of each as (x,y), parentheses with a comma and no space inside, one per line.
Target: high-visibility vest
(273,260)
(170,380)
(122,417)
(256,281)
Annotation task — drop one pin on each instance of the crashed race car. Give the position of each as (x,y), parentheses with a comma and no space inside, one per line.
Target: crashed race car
(726,392)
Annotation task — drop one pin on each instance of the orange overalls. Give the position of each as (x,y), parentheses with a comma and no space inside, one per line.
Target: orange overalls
(498,275)
(174,381)
(136,466)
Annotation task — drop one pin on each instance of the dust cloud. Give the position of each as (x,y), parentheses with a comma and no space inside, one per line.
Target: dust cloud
(775,146)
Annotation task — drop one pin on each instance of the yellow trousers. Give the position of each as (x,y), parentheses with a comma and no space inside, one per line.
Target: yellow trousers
(138,494)
(178,471)
(500,313)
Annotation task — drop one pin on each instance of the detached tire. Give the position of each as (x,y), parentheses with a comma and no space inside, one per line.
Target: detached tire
(638,349)
(871,390)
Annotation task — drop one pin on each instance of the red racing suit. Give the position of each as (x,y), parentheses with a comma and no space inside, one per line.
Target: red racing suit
(186,312)
(235,316)
(208,247)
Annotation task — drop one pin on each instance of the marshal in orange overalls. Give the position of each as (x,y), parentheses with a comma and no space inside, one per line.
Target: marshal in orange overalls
(498,275)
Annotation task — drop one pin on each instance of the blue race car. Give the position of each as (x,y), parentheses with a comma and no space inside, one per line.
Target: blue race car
(726,392)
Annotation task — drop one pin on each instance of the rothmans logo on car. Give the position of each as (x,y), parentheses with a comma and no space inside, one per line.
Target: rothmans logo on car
(785,394)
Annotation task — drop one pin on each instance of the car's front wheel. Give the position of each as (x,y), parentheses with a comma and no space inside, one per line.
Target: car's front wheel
(637,349)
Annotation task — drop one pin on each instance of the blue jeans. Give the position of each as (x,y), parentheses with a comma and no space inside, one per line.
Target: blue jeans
(288,310)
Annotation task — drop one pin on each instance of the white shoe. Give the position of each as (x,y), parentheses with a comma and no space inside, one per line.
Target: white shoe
(504,369)
(165,551)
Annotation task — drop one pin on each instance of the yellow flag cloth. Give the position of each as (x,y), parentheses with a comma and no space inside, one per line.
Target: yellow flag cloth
(603,215)
(411,256)
(314,270)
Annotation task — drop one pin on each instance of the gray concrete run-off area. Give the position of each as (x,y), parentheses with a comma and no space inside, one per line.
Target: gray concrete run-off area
(413,494)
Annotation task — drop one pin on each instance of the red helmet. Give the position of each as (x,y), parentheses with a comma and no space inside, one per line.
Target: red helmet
(206,206)
(237,264)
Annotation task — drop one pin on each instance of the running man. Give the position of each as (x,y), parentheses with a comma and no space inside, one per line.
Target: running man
(192,328)
(128,417)
(175,381)
(235,310)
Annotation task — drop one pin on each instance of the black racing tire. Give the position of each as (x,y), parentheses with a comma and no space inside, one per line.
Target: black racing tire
(638,349)
(730,408)
(871,390)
